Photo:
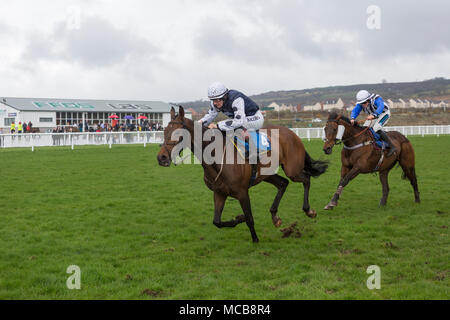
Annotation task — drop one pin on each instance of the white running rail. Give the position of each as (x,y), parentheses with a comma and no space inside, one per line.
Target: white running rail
(32,140)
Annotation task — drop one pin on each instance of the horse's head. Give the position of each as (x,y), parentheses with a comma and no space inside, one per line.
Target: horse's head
(331,132)
(176,122)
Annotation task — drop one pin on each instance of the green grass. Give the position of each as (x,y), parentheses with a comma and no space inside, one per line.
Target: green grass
(135,227)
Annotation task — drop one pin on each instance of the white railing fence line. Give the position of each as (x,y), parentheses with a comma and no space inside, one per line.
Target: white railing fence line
(32,140)
(318,133)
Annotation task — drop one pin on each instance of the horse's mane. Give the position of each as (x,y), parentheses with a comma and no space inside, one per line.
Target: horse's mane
(334,115)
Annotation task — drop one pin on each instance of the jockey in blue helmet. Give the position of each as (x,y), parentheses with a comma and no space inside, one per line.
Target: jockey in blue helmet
(379,115)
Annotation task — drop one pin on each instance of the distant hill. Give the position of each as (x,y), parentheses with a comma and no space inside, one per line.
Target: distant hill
(434,89)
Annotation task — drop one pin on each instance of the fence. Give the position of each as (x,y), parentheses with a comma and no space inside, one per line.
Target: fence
(155,137)
(32,140)
(318,133)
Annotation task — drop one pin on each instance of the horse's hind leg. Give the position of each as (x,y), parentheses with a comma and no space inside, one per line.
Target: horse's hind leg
(219,203)
(244,199)
(410,173)
(306,185)
(385,186)
(281,184)
(407,162)
(306,180)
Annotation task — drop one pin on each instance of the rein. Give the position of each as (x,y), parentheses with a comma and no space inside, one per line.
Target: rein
(165,144)
(380,162)
(352,137)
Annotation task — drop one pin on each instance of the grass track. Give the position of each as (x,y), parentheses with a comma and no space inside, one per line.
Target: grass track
(131,225)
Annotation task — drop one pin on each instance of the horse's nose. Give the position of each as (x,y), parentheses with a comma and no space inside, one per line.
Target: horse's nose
(327,150)
(163,160)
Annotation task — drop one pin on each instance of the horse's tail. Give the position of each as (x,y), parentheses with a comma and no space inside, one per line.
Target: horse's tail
(314,168)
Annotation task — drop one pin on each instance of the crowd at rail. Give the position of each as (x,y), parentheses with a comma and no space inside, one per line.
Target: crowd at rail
(114,126)
(21,127)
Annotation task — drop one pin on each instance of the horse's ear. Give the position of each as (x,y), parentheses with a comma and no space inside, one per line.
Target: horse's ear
(181,112)
(172,113)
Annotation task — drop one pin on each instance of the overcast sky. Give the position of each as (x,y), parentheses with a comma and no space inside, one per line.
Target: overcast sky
(172,50)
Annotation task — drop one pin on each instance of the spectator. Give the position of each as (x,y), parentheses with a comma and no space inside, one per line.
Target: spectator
(25,127)
(30,126)
(13,127)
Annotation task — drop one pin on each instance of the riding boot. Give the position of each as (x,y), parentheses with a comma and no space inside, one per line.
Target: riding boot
(386,139)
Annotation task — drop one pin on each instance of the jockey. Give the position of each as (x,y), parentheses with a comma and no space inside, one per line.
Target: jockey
(243,111)
(374,105)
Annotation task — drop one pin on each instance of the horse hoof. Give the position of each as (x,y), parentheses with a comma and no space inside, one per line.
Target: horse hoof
(330,206)
(311,213)
(277,222)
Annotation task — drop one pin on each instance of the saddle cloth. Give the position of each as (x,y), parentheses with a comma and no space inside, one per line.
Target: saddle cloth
(258,139)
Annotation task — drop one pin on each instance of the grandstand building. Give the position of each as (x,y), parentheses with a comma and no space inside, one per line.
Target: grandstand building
(47,114)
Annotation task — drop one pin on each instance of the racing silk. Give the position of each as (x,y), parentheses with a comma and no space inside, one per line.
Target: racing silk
(237,107)
(376,107)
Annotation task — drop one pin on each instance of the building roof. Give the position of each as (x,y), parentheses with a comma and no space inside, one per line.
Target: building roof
(80,105)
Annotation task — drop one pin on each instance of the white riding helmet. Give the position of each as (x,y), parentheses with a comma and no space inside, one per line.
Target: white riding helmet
(362,96)
(216,91)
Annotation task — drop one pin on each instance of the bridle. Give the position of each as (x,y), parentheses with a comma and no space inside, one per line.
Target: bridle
(165,144)
(173,144)
(344,140)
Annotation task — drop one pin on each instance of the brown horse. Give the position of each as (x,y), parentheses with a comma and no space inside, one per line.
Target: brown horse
(360,155)
(235,179)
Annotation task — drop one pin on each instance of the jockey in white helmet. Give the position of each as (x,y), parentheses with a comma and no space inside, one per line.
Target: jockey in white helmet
(242,111)
(374,105)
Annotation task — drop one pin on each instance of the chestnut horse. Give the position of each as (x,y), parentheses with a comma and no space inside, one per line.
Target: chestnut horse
(234,180)
(360,155)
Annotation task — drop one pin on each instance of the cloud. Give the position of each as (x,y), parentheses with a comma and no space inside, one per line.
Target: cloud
(96,43)
(223,38)
(173,50)
(332,30)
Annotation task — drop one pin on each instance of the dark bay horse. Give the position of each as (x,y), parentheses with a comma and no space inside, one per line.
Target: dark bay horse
(235,179)
(359,155)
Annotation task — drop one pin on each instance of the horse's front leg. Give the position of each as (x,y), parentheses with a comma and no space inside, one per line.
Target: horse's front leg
(347,175)
(219,203)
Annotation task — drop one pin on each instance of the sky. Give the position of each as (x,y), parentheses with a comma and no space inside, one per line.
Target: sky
(173,50)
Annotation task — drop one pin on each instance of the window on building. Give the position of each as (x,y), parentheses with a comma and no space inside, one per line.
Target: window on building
(45,119)
(8,121)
